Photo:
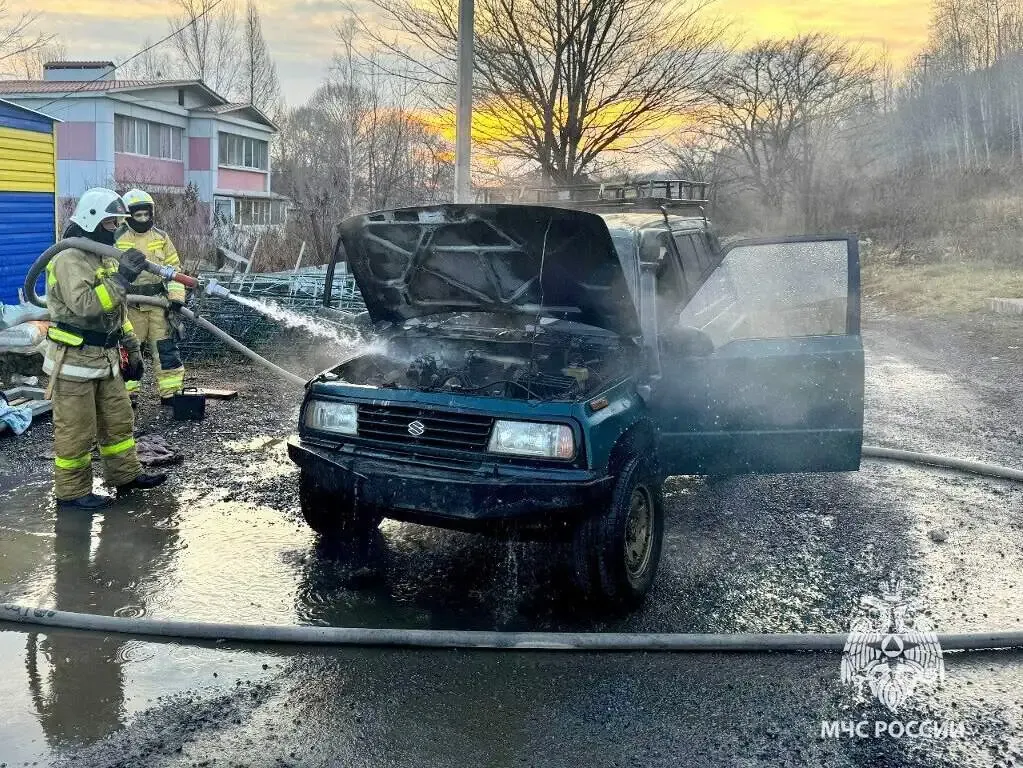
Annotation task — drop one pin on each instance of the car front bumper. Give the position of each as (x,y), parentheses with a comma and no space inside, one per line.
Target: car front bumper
(421,491)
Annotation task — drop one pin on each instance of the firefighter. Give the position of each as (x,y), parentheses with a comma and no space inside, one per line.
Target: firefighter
(157,329)
(89,325)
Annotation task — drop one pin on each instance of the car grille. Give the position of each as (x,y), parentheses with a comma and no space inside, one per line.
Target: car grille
(440,429)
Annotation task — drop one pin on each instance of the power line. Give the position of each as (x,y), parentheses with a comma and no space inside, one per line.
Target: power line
(144,51)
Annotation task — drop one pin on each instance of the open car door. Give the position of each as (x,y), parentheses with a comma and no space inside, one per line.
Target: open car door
(776,384)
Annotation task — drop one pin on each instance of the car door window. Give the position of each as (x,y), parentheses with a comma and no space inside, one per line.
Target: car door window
(704,256)
(671,285)
(690,261)
(776,290)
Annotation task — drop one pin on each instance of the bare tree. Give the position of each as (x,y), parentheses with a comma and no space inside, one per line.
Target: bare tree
(561,82)
(306,169)
(885,81)
(154,64)
(29,65)
(696,156)
(778,107)
(19,41)
(208,47)
(965,87)
(357,145)
(261,86)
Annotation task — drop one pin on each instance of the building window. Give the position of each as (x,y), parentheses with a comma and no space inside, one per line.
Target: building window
(246,211)
(170,141)
(223,210)
(243,151)
(143,137)
(252,212)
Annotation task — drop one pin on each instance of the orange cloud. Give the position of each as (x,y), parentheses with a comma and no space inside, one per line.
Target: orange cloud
(300,32)
(901,25)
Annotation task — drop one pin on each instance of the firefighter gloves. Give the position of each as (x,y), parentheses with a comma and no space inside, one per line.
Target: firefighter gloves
(136,366)
(133,264)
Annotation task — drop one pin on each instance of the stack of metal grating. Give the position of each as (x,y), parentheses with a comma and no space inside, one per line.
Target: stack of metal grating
(299,291)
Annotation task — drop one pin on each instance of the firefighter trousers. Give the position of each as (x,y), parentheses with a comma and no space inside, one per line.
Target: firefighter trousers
(87,412)
(150,324)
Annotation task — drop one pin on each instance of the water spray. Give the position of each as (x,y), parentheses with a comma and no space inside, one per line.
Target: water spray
(209,287)
(268,308)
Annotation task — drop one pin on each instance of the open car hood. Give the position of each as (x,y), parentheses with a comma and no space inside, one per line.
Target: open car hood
(428,260)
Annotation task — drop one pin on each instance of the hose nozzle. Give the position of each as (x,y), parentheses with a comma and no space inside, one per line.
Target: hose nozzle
(213,288)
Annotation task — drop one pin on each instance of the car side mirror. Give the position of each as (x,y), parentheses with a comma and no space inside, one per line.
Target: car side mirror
(686,341)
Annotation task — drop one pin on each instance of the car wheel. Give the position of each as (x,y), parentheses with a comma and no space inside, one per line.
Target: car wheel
(616,554)
(332,514)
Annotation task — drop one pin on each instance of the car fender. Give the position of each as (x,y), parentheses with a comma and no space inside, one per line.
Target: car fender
(638,438)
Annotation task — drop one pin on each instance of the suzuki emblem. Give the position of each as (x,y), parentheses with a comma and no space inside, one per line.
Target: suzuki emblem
(416,428)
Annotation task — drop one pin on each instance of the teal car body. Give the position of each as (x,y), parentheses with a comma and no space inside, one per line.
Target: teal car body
(660,351)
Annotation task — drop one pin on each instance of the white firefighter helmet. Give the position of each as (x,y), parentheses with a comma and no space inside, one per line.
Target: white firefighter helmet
(97,204)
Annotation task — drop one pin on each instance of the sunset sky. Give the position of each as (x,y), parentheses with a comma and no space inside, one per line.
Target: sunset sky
(299,32)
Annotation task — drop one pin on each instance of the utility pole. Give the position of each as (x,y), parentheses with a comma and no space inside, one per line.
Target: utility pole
(463,115)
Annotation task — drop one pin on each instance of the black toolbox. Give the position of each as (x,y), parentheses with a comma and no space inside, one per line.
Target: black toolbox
(190,404)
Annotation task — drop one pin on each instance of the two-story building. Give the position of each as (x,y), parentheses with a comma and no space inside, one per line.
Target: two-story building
(161,135)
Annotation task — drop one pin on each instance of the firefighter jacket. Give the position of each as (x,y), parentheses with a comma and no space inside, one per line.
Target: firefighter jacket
(159,249)
(88,319)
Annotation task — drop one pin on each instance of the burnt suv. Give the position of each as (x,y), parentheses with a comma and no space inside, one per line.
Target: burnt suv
(539,369)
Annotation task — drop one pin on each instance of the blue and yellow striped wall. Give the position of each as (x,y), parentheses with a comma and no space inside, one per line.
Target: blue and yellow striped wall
(28,184)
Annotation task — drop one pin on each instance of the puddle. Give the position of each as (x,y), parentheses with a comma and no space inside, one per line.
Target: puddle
(222,542)
(66,690)
(256,444)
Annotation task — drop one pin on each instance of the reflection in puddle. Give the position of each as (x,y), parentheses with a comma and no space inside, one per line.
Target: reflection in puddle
(80,688)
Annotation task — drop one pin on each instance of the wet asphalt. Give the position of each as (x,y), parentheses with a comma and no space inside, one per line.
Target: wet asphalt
(222,541)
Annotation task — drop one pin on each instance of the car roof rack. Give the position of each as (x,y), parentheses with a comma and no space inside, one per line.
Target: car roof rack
(654,195)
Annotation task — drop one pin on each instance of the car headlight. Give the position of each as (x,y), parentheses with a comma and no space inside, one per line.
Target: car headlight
(527,438)
(329,416)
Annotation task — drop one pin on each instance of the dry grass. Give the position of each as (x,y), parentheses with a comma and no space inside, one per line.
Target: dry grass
(955,252)
(944,288)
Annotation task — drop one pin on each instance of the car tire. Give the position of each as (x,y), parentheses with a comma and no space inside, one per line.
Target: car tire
(616,554)
(332,514)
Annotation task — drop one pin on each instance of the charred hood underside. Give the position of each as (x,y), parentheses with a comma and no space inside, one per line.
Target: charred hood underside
(518,370)
(511,259)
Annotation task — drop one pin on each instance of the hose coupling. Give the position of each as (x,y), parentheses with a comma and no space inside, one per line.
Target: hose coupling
(167,273)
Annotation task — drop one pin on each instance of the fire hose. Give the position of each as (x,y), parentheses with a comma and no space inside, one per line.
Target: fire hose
(430,638)
(456,638)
